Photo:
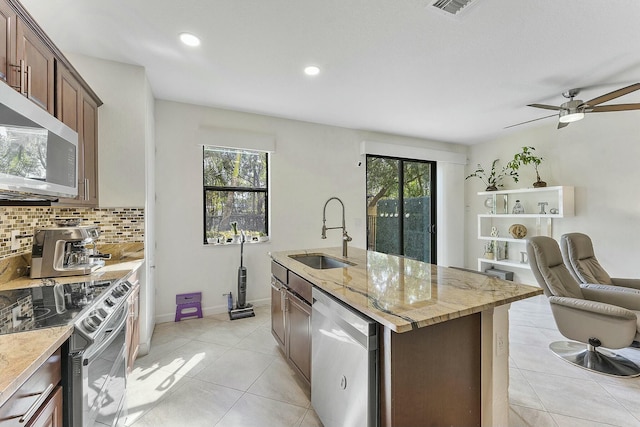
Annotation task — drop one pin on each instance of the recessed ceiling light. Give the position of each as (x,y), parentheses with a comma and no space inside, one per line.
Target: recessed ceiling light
(312,70)
(189,39)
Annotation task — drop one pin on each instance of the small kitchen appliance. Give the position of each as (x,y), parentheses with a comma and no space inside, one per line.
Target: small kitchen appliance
(65,251)
(242,309)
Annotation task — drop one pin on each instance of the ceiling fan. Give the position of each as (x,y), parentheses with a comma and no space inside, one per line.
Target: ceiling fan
(575,109)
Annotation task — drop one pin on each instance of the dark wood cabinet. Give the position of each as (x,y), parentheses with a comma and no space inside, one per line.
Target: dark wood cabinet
(50,414)
(291,317)
(78,110)
(38,402)
(299,334)
(7,40)
(35,67)
(133,326)
(278,295)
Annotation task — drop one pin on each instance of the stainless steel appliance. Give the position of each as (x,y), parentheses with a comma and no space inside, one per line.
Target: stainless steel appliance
(97,362)
(65,251)
(94,365)
(38,153)
(344,361)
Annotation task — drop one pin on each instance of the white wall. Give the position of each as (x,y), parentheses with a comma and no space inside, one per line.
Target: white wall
(312,162)
(599,156)
(121,128)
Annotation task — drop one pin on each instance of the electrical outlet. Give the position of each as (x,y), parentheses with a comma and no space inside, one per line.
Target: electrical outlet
(16,312)
(500,345)
(15,243)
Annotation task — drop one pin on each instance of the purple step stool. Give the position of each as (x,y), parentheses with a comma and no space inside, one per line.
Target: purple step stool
(188,305)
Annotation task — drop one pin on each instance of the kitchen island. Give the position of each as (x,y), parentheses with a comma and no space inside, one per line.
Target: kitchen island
(443,333)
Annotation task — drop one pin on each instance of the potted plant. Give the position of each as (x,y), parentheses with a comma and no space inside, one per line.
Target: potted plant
(488,249)
(262,236)
(234,229)
(526,157)
(493,179)
(211,237)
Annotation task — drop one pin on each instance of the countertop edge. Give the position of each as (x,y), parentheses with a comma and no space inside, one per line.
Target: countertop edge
(329,286)
(59,336)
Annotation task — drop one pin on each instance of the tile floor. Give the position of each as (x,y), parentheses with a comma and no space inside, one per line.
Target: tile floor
(213,372)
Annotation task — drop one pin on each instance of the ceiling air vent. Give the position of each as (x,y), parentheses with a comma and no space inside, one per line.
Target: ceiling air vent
(451,6)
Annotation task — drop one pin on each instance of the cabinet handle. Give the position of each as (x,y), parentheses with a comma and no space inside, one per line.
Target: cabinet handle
(20,68)
(86,188)
(37,404)
(28,93)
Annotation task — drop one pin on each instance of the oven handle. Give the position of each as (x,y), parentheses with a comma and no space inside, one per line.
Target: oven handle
(87,359)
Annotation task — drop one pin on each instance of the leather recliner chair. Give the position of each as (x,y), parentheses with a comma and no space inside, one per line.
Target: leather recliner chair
(593,314)
(580,259)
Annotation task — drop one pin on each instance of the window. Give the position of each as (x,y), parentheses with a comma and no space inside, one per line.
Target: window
(401,207)
(235,190)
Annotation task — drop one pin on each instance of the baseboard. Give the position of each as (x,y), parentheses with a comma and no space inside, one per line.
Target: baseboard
(209,311)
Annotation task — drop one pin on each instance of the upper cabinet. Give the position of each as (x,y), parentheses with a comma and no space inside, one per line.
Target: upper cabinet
(7,40)
(35,67)
(78,109)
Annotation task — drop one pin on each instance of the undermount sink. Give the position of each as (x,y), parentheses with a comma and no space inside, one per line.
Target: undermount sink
(320,261)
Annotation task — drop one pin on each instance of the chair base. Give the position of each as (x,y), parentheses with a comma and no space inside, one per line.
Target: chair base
(596,360)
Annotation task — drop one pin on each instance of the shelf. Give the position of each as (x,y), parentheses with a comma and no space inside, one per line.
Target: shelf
(502,239)
(507,263)
(550,216)
(525,190)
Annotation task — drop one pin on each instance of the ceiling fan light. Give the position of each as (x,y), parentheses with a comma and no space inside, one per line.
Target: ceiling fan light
(567,116)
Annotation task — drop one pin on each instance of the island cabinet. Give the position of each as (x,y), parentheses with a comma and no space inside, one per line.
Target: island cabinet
(442,341)
(291,317)
(38,402)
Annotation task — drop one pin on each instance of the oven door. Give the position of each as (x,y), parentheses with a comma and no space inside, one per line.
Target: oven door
(100,400)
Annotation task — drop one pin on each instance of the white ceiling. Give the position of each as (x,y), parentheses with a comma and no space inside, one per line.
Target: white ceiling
(396,66)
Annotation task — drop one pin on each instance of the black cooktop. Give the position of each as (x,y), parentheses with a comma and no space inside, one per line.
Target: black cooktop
(45,306)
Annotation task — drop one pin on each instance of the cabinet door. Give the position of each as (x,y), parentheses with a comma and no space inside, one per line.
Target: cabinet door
(68,97)
(39,63)
(277,311)
(299,334)
(50,414)
(133,328)
(89,130)
(7,40)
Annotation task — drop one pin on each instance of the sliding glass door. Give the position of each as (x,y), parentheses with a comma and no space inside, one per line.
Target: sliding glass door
(401,207)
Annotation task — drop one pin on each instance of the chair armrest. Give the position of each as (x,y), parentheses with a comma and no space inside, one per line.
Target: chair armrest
(580,320)
(627,283)
(616,295)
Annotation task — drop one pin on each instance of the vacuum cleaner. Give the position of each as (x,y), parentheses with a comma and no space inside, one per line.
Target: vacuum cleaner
(242,310)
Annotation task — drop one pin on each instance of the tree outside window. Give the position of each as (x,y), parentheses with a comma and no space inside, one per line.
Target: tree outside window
(235,191)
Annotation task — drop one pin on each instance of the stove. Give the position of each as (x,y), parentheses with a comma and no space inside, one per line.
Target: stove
(85,304)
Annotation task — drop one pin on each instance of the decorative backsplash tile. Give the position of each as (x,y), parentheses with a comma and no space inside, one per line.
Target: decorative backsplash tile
(124,225)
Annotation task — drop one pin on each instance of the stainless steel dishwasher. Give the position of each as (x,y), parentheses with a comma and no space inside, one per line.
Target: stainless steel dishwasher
(344,364)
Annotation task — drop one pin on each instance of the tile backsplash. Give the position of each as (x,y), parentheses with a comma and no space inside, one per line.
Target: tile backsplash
(124,225)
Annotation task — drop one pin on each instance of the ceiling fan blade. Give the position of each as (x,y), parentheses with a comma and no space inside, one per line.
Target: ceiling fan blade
(546,107)
(616,107)
(562,125)
(611,95)
(529,121)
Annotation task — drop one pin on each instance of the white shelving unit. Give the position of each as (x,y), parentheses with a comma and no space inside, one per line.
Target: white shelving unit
(560,199)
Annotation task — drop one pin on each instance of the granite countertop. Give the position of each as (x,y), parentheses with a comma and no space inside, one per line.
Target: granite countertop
(404,294)
(22,353)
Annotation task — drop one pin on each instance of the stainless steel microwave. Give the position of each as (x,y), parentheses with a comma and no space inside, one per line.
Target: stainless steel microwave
(38,153)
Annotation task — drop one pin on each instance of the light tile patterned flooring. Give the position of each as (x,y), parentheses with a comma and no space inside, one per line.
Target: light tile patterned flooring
(213,372)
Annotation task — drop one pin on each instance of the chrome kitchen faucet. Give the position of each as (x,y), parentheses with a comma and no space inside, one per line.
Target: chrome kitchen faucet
(345,236)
